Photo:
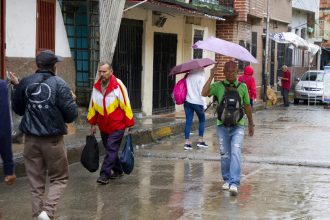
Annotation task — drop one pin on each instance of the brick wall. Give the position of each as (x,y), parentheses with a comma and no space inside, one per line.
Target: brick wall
(26,66)
(233,30)
(241,7)
(324,4)
(257,7)
(225,30)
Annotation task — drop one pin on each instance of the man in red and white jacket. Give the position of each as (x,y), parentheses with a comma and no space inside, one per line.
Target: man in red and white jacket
(110,109)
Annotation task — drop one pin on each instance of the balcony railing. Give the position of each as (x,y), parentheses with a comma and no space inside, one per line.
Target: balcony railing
(222,6)
(213,4)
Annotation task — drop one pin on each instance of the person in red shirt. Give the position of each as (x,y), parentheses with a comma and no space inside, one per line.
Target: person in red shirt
(250,82)
(286,84)
(111,110)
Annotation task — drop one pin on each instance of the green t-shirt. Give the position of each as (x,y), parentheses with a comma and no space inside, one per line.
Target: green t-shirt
(217,89)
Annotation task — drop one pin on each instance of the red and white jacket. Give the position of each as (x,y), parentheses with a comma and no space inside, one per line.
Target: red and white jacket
(111,111)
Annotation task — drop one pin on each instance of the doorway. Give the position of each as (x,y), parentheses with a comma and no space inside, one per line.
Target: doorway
(165,47)
(127,59)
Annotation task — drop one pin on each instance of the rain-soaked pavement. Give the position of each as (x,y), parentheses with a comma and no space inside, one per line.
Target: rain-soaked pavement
(285,176)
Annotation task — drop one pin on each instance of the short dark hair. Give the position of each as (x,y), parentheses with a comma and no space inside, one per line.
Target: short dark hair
(230,66)
(102,63)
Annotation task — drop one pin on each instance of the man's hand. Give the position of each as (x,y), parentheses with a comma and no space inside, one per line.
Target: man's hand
(93,129)
(74,97)
(251,130)
(127,131)
(13,78)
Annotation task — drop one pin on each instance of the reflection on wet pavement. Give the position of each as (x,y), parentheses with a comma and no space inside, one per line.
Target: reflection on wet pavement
(169,183)
(183,189)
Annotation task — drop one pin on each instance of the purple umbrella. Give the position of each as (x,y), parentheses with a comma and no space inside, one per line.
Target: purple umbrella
(225,48)
(190,65)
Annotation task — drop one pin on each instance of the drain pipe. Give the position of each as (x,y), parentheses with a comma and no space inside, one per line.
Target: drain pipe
(133,6)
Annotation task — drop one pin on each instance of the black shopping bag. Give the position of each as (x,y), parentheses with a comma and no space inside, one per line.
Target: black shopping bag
(127,156)
(90,154)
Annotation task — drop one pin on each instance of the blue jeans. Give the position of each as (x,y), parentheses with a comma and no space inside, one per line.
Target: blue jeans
(189,109)
(230,143)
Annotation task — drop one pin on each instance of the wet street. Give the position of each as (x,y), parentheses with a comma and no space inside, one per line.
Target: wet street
(285,176)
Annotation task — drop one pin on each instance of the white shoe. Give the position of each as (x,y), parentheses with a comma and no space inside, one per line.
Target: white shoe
(233,190)
(43,216)
(225,186)
(202,145)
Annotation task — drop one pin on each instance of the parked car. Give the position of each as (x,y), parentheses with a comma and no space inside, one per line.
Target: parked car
(309,87)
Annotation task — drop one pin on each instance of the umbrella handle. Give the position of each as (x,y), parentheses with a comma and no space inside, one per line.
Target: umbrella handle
(209,105)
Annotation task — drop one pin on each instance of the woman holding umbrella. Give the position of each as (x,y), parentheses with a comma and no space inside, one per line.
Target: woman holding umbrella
(195,102)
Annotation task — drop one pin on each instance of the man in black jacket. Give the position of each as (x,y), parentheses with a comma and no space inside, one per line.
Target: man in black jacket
(5,135)
(46,104)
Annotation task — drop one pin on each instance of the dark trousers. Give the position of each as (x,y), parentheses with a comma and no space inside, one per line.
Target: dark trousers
(285,94)
(111,143)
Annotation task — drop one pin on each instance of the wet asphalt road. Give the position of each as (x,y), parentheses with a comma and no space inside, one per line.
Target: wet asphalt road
(285,176)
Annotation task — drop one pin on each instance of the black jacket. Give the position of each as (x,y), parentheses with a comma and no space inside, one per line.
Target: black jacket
(46,104)
(5,131)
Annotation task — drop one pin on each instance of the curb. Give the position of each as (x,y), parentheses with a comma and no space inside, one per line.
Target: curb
(139,136)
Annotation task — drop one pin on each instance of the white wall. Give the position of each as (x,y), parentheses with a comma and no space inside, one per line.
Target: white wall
(62,47)
(306,5)
(21,30)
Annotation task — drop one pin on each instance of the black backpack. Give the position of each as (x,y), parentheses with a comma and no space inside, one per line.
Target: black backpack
(230,110)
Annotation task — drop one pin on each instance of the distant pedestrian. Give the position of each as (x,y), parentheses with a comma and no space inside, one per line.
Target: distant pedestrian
(5,135)
(250,82)
(230,137)
(46,104)
(195,102)
(110,109)
(286,84)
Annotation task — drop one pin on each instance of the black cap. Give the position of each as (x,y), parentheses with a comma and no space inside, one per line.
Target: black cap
(47,58)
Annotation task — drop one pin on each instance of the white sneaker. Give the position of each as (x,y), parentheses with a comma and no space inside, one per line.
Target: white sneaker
(225,186)
(43,216)
(233,190)
(202,145)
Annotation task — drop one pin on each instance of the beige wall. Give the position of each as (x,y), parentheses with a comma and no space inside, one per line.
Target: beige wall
(174,25)
(280,10)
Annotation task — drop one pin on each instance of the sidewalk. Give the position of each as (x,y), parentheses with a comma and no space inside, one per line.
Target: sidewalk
(147,130)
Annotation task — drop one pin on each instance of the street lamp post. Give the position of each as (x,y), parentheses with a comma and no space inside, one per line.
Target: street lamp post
(264,75)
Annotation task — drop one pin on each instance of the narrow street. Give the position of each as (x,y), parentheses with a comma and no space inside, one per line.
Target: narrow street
(285,176)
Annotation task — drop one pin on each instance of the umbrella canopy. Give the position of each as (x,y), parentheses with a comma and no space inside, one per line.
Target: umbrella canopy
(290,38)
(190,65)
(225,48)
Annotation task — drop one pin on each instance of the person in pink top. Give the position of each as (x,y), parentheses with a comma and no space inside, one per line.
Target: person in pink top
(250,82)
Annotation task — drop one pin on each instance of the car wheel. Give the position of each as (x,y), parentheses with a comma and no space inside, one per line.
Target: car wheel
(296,101)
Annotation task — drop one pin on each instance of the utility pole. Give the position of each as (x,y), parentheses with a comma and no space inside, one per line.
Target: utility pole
(264,75)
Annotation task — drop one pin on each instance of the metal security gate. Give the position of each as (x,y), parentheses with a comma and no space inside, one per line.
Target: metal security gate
(81,19)
(127,60)
(165,46)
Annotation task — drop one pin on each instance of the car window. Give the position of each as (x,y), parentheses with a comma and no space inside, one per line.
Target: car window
(312,76)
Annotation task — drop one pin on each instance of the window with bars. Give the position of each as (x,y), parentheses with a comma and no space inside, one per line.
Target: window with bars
(46,12)
(198,35)
(242,64)
(254,44)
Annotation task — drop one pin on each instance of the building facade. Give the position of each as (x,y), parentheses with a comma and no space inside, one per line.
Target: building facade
(324,24)
(305,14)
(33,25)
(248,28)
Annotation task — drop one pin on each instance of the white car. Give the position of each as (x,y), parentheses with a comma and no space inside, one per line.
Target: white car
(310,86)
